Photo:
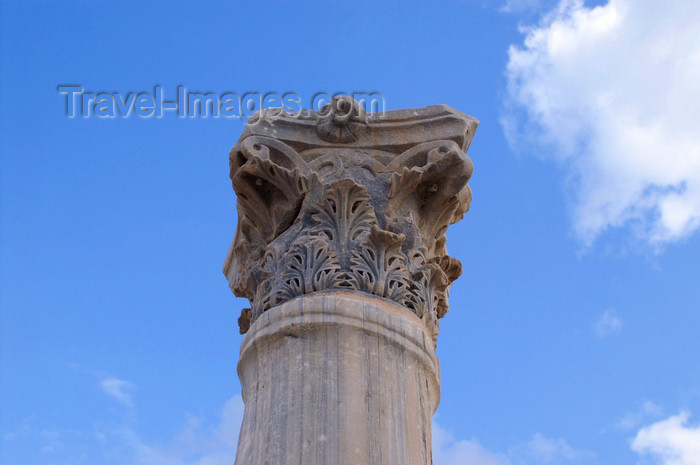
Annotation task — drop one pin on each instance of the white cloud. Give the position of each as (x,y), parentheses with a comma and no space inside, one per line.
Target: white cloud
(448,451)
(612,93)
(119,390)
(670,442)
(514,6)
(608,323)
(543,450)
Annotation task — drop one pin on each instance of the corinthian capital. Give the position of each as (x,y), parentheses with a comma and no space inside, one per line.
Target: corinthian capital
(335,200)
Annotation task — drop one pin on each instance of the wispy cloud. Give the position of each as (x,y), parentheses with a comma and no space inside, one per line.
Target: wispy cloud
(198,443)
(109,443)
(607,324)
(448,451)
(632,420)
(543,450)
(515,6)
(540,450)
(119,390)
(47,442)
(670,442)
(611,92)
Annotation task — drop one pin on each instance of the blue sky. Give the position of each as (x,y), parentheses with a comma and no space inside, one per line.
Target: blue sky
(572,335)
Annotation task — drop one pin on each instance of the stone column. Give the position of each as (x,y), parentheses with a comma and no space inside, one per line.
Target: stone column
(340,247)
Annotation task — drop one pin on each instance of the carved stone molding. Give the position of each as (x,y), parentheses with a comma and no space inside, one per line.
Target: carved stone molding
(334,200)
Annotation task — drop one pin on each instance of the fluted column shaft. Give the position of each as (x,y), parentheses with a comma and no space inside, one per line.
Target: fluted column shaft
(337,379)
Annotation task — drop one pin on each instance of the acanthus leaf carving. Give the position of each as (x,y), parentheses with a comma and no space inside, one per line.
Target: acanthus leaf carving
(378,266)
(327,201)
(310,266)
(343,216)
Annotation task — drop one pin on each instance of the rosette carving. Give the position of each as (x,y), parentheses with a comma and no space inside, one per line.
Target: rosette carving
(326,202)
(342,121)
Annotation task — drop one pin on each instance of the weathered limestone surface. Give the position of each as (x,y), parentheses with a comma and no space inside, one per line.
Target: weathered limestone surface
(340,248)
(337,379)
